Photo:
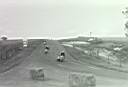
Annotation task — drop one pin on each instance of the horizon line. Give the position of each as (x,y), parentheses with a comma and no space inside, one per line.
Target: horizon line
(57,38)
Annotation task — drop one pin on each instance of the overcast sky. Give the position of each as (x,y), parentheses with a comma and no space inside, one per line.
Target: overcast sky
(61,18)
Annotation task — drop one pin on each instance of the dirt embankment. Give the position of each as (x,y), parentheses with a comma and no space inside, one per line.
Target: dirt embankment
(19,56)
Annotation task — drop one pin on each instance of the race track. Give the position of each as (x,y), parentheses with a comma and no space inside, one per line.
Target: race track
(57,73)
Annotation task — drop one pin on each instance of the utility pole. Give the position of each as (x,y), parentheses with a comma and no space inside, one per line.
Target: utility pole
(90,34)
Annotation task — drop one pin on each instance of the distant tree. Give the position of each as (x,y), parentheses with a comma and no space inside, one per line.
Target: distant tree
(126,29)
(4,37)
(125,12)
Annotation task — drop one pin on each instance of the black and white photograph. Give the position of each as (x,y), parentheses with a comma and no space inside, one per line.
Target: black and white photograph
(63,43)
